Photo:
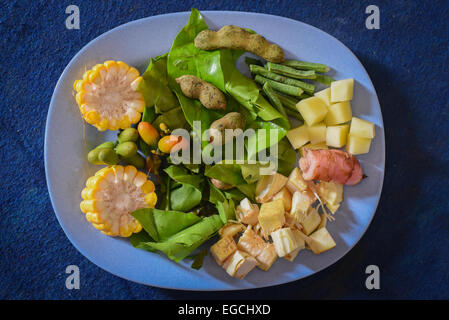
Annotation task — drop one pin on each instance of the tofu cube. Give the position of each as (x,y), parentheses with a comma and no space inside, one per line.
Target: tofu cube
(298,136)
(247,212)
(313,110)
(342,90)
(284,241)
(230,229)
(362,128)
(253,244)
(318,146)
(286,197)
(311,221)
(271,216)
(301,203)
(317,133)
(296,182)
(336,136)
(324,95)
(268,186)
(239,264)
(299,242)
(339,113)
(223,248)
(357,145)
(321,241)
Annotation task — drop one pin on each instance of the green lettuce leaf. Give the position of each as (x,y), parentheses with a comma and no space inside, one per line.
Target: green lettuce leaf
(160,224)
(180,245)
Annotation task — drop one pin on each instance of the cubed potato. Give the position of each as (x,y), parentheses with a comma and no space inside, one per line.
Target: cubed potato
(223,248)
(342,90)
(318,146)
(336,136)
(317,133)
(324,95)
(286,197)
(330,192)
(313,110)
(321,241)
(311,221)
(357,145)
(339,113)
(239,264)
(271,216)
(298,136)
(361,128)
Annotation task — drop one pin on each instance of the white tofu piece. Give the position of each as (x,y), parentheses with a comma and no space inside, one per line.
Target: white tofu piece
(239,264)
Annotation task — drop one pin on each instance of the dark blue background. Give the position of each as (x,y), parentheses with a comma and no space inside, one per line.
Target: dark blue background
(407,60)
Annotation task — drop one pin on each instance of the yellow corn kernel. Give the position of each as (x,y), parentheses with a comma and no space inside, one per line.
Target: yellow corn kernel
(124,122)
(151,199)
(140,179)
(147,187)
(102,125)
(92,117)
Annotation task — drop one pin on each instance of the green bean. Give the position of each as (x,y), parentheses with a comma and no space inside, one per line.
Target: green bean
(284,88)
(290,72)
(274,99)
(318,67)
(126,149)
(129,134)
(324,79)
(307,87)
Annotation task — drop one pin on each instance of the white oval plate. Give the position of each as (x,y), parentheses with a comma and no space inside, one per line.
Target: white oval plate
(134,43)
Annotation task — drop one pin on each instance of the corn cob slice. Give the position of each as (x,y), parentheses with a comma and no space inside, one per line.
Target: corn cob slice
(107,96)
(112,194)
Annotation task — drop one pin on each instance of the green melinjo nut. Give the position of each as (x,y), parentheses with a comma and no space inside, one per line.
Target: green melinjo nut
(129,134)
(136,160)
(108,156)
(106,145)
(126,149)
(92,156)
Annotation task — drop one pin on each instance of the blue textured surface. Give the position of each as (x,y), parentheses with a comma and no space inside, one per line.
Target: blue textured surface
(408,62)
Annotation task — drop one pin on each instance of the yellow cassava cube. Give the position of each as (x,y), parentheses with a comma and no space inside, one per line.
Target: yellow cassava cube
(318,146)
(271,216)
(338,113)
(324,95)
(313,110)
(320,241)
(336,136)
(362,128)
(342,90)
(298,136)
(357,145)
(317,133)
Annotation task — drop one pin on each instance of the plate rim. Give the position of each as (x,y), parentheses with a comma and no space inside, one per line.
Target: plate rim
(187,13)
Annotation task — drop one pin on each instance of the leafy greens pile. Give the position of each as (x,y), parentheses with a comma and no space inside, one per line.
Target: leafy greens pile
(191,209)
